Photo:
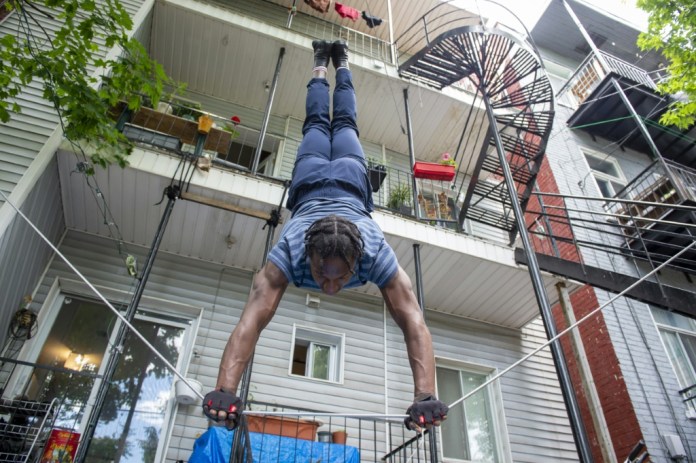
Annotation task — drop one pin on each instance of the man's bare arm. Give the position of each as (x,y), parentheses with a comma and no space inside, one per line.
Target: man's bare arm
(404,309)
(266,291)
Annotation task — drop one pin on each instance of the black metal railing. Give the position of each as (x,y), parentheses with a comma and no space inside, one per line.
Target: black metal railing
(277,15)
(564,226)
(293,435)
(661,185)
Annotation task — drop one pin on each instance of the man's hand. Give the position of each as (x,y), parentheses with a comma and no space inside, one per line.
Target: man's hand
(425,412)
(219,405)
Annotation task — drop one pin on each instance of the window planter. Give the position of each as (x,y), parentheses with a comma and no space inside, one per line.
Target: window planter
(377,174)
(433,171)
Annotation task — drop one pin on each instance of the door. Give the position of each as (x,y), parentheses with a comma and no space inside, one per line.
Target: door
(73,354)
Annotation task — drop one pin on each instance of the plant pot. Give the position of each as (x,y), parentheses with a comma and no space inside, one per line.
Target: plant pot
(283,426)
(205,123)
(433,171)
(377,174)
(339,437)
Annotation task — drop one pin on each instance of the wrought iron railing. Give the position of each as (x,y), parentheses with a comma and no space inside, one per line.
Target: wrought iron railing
(310,435)
(593,70)
(661,185)
(578,227)
(277,15)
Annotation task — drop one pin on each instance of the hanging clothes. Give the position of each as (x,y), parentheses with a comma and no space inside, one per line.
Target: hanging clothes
(346,11)
(371,21)
(321,6)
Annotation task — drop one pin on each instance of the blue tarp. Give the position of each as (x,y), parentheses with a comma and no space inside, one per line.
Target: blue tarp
(215,444)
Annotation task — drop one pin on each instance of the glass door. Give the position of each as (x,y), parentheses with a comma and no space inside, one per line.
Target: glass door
(133,417)
(72,355)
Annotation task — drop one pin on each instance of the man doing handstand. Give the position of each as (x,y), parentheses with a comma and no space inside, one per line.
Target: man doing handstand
(330,243)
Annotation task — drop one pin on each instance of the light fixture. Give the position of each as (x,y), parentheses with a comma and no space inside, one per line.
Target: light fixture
(313,301)
(75,361)
(266,86)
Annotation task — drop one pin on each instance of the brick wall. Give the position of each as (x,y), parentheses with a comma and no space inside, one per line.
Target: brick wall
(620,417)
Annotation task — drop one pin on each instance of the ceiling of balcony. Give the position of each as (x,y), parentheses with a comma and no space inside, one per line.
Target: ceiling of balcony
(556,31)
(462,275)
(229,57)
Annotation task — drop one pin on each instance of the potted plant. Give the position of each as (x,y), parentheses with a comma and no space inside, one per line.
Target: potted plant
(377,173)
(339,436)
(400,199)
(443,170)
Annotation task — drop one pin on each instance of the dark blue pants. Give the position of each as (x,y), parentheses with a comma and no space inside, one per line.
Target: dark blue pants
(330,162)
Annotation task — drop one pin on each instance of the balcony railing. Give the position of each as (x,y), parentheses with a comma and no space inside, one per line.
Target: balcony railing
(653,194)
(593,70)
(316,28)
(305,434)
(174,128)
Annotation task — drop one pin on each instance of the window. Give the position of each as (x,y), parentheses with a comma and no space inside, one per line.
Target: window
(471,431)
(74,345)
(607,174)
(317,354)
(678,334)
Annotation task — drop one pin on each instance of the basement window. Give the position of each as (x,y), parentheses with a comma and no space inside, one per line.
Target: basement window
(317,354)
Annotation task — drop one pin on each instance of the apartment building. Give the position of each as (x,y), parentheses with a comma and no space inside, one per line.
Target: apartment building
(623,223)
(183,228)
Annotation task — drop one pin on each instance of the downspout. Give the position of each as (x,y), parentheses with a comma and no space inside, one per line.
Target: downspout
(588,384)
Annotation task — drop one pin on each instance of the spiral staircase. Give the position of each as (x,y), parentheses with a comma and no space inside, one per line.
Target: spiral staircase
(515,91)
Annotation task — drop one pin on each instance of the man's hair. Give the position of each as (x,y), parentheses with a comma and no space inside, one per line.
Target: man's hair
(334,236)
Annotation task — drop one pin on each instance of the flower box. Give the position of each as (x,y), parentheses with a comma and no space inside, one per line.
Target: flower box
(433,171)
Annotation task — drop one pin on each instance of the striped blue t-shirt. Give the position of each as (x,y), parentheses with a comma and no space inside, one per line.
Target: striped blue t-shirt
(378,263)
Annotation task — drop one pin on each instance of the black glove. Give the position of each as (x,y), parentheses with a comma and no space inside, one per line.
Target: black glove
(425,412)
(220,400)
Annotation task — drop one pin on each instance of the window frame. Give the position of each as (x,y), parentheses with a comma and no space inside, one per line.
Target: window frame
(599,175)
(674,363)
(318,336)
(63,288)
(496,410)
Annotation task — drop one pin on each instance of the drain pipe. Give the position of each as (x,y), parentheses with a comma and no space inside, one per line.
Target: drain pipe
(267,114)
(173,193)
(581,441)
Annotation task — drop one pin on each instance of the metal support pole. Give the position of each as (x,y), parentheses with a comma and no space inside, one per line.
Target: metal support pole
(639,122)
(588,39)
(267,114)
(411,153)
(173,193)
(421,301)
(581,441)
(237,453)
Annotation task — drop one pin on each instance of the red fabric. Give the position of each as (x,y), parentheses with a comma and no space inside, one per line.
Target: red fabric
(346,11)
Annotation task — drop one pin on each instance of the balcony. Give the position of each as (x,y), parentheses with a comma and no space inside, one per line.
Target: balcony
(601,110)
(591,73)
(657,217)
